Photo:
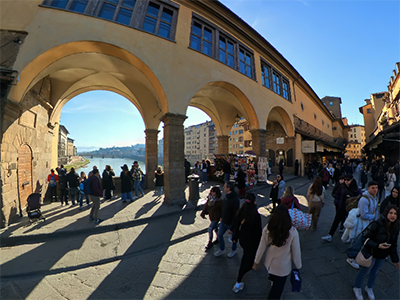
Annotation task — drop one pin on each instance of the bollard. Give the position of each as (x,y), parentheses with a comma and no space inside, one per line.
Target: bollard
(194,193)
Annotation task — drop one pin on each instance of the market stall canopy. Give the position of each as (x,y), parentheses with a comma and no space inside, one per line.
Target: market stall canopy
(251,152)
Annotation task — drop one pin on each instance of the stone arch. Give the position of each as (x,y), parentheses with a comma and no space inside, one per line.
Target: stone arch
(280,115)
(52,61)
(222,101)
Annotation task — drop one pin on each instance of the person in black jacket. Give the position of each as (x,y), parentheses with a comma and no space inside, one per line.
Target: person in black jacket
(126,184)
(227,169)
(247,229)
(382,243)
(62,184)
(159,177)
(230,205)
(241,180)
(73,184)
(393,198)
(108,181)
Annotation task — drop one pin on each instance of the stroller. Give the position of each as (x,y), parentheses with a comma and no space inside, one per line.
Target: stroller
(33,208)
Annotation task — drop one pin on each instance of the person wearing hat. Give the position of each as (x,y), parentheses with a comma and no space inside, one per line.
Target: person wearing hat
(126,184)
(345,190)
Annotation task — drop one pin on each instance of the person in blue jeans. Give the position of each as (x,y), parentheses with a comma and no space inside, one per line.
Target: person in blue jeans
(82,192)
(126,184)
(137,177)
(383,235)
(230,206)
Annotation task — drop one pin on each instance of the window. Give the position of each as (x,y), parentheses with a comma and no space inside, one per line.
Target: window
(266,75)
(277,84)
(240,131)
(323,123)
(331,103)
(158,20)
(315,116)
(74,5)
(120,11)
(226,51)
(302,106)
(245,63)
(285,89)
(368,110)
(202,38)
(212,41)
(334,128)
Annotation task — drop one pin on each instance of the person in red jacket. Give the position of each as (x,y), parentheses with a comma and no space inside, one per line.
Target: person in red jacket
(288,198)
(96,191)
(52,179)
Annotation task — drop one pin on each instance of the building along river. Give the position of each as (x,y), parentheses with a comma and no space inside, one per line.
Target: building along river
(115,163)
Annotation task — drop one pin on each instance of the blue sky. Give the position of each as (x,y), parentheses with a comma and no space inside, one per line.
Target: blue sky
(341,48)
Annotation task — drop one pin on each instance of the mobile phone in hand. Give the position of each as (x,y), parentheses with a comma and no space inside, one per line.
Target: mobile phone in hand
(386,244)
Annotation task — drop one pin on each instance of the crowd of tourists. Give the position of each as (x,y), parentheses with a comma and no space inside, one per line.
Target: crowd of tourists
(76,187)
(365,222)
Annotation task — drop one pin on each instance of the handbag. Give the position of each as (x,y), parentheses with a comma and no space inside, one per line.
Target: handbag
(300,220)
(295,280)
(361,259)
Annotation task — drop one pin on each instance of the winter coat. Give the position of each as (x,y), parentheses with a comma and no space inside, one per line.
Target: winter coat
(159,175)
(62,179)
(107,180)
(377,234)
(344,192)
(137,173)
(281,188)
(241,178)
(126,182)
(95,186)
(354,225)
(230,206)
(287,201)
(364,176)
(73,179)
(367,206)
(226,168)
(248,232)
(391,179)
(213,208)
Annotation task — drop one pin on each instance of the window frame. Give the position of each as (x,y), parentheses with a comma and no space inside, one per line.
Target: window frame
(117,10)
(274,72)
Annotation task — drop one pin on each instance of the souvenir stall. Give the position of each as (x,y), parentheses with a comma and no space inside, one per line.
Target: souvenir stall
(248,165)
(262,169)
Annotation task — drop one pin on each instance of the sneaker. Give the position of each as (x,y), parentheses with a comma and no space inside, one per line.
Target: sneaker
(91,219)
(327,238)
(232,253)
(219,252)
(352,263)
(98,221)
(358,293)
(238,287)
(370,293)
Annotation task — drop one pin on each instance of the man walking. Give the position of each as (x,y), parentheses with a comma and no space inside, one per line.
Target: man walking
(62,180)
(52,180)
(230,206)
(96,191)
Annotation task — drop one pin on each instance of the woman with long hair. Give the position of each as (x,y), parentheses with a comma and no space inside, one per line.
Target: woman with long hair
(289,198)
(213,208)
(247,228)
(283,245)
(382,243)
(315,197)
(393,198)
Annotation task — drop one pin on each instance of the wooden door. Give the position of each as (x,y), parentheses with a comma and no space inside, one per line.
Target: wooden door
(24,174)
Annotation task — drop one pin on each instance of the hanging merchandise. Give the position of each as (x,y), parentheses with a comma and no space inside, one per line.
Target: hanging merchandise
(262,169)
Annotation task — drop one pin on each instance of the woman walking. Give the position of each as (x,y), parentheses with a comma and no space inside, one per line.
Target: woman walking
(247,229)
(159,177)
(283,245)
(213,208)
(126,184)
(288,199)
(315,197)
(382,243)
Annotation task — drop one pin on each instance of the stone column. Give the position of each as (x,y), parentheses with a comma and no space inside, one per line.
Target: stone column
(151,159)
(174,159)
(258,137)
(223,144)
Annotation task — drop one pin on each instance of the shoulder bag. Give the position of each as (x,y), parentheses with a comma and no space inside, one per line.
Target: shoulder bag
(361,259)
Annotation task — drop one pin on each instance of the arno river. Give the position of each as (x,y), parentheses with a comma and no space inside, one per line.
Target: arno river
(115,164)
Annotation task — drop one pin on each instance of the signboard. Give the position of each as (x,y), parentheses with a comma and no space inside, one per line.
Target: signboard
(280,140)
(308,146)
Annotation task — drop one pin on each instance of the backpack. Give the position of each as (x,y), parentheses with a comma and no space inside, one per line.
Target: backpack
(86,186)
(352,202)
(325,176)
(53,181)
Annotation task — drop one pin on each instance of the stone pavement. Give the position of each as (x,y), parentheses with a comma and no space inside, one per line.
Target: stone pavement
(146,250)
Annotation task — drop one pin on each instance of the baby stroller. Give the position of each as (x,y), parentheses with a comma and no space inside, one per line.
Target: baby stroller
(33,208)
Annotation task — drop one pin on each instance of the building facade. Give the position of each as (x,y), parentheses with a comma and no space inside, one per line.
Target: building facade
(200,142)
(356,142)
(240,137)
(220,65)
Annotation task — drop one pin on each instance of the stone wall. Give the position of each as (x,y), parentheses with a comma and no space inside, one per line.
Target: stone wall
(24,123)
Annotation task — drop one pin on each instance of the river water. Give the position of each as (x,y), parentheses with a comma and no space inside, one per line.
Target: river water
(115,164)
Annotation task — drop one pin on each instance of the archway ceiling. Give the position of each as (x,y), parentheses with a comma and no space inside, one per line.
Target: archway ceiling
(221,105)
(83,72)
